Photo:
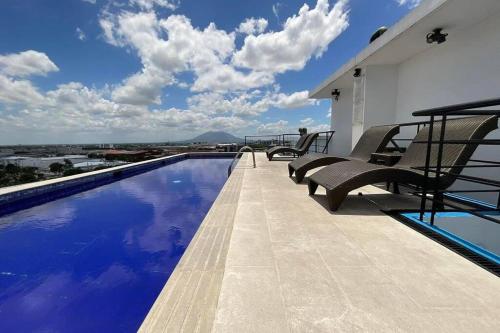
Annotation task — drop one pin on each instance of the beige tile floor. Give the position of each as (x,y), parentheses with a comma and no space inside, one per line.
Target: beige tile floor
(269,258)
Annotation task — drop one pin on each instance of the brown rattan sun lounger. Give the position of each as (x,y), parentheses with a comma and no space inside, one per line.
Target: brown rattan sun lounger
(298,150)
(373,140)
(298,145)
(341,178)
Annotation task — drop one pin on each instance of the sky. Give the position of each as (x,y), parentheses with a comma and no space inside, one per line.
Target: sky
(92,71)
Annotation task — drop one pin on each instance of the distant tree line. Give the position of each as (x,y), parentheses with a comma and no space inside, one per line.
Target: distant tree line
(12,174)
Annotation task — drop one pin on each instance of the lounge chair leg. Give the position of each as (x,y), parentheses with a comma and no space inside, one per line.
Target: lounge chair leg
(299,176)
(312,187)
(290,171)
(335,199)
(396,188)
(440,201)
(270,156)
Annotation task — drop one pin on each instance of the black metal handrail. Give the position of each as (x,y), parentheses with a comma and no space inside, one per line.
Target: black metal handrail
(441,114)
(320,145)
(463,107)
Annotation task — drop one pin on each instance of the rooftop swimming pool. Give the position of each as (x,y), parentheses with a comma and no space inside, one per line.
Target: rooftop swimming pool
(95,261)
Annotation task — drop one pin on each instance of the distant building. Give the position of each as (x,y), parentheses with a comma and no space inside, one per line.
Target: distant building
(90,164)
(42,163)
(6,152)
(227,147)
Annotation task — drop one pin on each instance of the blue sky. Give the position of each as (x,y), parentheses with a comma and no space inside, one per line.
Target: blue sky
(79,71)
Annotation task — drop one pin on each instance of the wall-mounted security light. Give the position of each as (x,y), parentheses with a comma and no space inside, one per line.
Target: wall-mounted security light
(357,72)
(436,36)
(336,94)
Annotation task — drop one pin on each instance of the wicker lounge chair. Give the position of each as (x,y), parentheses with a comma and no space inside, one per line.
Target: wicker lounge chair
(298,145)
(373,140)
(341,178)
(298,150)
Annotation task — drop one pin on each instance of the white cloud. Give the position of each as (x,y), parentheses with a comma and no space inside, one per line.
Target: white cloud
(253,26)
(409,3)
(90,1)
(143,88)
(150,4)
(303,36)
(306,122)
(319,128)
(18,91)
(26,63)
(173,45)
(283,126)
(80,34)
(187,48)
(296,100)
(309,123)
(223,77)
(229,90)
(238,105)
(276,9)
(245,104)
(277,127)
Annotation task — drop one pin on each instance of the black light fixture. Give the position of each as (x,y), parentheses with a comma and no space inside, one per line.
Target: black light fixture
(436,36)
(336,94)
(357,72)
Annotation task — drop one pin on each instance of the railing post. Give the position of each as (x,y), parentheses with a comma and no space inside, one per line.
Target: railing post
(436,195)
(423,202)
(330,135)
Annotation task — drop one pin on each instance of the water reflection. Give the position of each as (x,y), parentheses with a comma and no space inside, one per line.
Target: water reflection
(97,260)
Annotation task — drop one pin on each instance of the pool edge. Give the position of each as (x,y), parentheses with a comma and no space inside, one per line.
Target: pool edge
(197,279)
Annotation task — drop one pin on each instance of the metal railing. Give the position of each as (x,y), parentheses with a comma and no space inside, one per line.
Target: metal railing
(443,199)
(262,142)
(242,149)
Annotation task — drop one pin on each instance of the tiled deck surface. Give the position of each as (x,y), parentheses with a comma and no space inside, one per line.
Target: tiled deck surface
(269,258)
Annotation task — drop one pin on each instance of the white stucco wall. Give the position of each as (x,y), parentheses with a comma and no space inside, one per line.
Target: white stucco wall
(463,69)
(381,95)
(341,121)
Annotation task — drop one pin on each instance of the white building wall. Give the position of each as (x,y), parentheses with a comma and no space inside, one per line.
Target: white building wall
(358,107)
(463,69)
(380,95)
(341,121)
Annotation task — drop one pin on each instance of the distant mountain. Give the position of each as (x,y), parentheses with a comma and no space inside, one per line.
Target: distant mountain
(216,137)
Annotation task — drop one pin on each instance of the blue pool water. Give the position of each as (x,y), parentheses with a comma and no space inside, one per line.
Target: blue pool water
(97,260)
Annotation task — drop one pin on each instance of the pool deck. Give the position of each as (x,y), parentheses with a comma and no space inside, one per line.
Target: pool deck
(269,258)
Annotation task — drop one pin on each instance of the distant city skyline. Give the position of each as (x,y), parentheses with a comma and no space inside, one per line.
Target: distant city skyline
(91,71)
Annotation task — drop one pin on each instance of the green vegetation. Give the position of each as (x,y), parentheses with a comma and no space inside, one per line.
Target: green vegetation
(12,174)
(72,171)
(56,167)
